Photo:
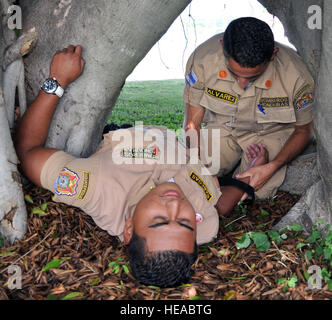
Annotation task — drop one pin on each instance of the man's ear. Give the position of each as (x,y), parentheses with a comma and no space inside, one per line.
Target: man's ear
(275,51)
(128,230)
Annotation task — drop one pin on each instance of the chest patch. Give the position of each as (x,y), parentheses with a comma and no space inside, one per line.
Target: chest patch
(221,95)
(195,177)
(277,102)
(142,153)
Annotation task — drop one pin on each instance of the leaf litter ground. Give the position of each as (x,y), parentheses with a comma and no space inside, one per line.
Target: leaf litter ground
(64,255)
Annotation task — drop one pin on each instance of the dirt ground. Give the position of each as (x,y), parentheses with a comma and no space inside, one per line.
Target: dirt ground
(84,252)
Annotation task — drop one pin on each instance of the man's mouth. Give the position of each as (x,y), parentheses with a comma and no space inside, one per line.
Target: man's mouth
(171,193)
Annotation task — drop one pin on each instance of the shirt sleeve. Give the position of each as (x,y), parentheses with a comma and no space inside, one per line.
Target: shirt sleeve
(195,81)
(303,101)
(72,180)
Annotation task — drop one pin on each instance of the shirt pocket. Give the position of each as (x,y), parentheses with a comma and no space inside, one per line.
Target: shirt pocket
(275,110)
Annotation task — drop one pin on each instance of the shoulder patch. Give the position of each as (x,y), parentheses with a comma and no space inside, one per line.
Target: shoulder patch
(85,186)
(222,95)
(195,177)
(191,78)
(303,97)
(66,183)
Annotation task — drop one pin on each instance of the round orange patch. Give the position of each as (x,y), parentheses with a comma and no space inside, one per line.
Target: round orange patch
(223,74)
(268,83)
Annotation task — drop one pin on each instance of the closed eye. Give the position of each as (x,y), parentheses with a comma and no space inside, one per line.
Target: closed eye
(159,224)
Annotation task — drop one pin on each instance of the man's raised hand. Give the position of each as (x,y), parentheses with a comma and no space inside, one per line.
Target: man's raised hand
(67,65)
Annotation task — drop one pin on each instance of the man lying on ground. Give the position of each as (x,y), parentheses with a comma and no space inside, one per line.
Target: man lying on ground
(161,207)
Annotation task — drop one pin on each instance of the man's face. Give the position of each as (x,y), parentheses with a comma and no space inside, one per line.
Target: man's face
(165,218)
(245,75)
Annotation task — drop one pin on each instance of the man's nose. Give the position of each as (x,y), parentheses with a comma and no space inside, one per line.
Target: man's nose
(173,208)
(243,82)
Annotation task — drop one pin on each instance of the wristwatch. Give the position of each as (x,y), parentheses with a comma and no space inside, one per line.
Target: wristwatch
(52,86)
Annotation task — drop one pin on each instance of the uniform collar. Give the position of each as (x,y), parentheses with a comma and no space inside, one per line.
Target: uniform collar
(265,81)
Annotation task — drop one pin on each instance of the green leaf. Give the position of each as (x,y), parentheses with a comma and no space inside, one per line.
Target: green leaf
(37,210)
(244,242)
(327,253)
(43,206)
(28,198)
(125,269)
(308,254)
(2,241)
(112,264)
(94,281)
(52,297)
(154,287)
(281,281)
(196,298)
(295,227)
(292,281)
(319,221)
(274,236)
(261,241)
(6,254)
(314,236)
(284,236)
(328,238)
(300,245)
(329,285)
(52,264)
(264,214)
(72,295)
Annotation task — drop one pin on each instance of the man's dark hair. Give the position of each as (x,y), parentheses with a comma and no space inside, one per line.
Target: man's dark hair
(249,41)
(167,268)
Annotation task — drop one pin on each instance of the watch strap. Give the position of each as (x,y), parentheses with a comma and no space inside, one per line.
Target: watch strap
(59,91)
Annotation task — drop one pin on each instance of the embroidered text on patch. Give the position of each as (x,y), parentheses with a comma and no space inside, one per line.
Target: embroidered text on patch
(191,78)
(222,95)
(66,183)
(300,92)
(277,102)
(85,186)
(143,153)
(195,177)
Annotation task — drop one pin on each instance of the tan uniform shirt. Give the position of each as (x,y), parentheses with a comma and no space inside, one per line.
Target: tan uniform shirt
(284,91)
(109,184)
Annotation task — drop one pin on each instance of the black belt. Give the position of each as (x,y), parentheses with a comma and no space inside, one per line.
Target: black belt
(228,181)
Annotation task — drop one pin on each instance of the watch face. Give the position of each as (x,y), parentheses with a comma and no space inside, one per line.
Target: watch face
(49,85)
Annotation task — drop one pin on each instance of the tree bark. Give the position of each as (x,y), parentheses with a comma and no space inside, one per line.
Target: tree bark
(314,45)
(13,216)
(115,36)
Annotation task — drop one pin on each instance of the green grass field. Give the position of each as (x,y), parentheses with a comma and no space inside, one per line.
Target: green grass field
(153,102)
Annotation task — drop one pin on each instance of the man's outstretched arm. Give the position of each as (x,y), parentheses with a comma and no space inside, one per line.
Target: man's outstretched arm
(66,66)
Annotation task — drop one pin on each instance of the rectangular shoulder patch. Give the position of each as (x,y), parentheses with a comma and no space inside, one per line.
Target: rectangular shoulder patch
(85,186)
(277,102)
(303,97)
(195,177)
(221,95)
(191,78)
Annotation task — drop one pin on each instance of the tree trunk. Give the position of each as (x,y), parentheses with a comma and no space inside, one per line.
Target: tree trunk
(13,217)
(314,45)
(115,36)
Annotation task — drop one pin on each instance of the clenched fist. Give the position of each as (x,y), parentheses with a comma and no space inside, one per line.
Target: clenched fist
(67,65)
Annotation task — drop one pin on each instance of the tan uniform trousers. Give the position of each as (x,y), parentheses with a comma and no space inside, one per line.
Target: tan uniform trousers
(232,150)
